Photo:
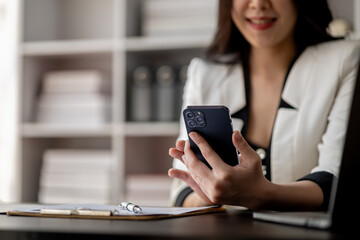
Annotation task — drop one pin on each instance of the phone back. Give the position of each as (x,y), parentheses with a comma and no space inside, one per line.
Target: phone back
(214,124)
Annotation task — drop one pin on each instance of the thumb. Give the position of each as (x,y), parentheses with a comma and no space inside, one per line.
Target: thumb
(243,147)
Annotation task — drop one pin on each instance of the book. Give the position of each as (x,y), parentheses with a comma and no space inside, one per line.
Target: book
(74,175)
(151,182)
(160,8)
(148,189)
(168,17)
(77,160)
(74,97)
(75,81)
(179,25)
(80,180)
(56,195)
(89,114)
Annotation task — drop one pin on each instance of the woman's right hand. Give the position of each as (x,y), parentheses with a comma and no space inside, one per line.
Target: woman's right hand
(197,198)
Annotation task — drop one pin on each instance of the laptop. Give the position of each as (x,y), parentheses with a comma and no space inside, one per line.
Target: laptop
(344,209)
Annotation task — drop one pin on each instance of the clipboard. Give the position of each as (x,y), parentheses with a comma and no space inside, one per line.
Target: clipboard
(99,211)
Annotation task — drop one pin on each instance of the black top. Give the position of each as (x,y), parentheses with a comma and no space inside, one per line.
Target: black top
(323,179)
(244,114)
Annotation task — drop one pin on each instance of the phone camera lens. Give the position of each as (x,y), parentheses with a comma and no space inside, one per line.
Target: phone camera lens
(189,115)
(199,119)
(192,123)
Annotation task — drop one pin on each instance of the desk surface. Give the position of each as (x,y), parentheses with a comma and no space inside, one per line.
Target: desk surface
(233,224)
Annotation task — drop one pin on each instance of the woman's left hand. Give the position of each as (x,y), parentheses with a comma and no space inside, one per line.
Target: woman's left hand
(243,184)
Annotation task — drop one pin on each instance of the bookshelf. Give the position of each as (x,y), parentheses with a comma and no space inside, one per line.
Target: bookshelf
(105,36)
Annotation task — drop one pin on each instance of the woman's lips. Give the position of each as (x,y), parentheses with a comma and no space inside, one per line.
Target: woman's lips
(261,23)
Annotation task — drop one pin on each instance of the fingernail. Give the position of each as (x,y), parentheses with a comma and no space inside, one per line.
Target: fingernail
(237,135)
(192,135)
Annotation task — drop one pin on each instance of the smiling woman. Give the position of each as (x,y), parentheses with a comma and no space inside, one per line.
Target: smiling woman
(8,100)
(263,25)
(288,85)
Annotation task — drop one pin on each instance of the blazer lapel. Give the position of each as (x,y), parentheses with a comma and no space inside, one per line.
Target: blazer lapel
(233,89)
(285,128)
(298,79)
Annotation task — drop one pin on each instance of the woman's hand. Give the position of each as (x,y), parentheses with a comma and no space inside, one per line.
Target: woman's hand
(243,184)
(197,199)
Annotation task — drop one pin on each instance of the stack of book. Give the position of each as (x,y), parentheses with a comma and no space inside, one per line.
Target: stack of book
(74,97)
(148,189)
(168,17)
(75,175)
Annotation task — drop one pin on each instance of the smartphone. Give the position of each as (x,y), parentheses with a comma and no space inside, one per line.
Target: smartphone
(214,124)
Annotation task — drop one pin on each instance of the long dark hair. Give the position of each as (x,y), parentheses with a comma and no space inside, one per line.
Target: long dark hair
(310,29)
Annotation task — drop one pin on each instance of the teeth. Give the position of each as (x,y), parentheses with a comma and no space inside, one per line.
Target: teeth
(260,21)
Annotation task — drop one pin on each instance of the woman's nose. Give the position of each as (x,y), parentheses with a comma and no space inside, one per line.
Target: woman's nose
(259,4)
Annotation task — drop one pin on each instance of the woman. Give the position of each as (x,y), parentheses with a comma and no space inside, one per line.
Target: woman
(288,85)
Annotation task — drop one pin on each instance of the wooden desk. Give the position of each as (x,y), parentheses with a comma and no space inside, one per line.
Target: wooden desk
(233,224)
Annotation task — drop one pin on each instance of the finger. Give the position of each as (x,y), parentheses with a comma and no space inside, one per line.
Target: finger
(186,177)
(208,153)
(180,145)
(202,175)
(176,153)
(246,152)
(193,163)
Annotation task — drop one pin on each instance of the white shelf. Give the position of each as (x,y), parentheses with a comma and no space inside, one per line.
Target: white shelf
(68,47)
(64,47)
(128,129)
(46,131)
(151,129)
(167,42)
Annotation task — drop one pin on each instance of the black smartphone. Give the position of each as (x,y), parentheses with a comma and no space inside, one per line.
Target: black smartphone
(214,124)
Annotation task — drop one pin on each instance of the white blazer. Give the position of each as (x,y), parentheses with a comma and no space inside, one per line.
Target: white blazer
(305,139)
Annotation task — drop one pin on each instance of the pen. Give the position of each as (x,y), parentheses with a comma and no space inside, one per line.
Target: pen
(130,207)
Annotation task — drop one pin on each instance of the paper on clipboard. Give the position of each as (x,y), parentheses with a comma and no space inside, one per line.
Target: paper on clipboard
(147,212)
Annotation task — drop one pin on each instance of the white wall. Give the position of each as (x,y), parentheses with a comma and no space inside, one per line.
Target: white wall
(8,98)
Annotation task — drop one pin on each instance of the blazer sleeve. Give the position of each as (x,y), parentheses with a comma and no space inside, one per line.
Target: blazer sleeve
(331,147)
(192,96)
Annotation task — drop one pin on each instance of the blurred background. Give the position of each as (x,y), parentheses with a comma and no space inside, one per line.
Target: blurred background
(90,94)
